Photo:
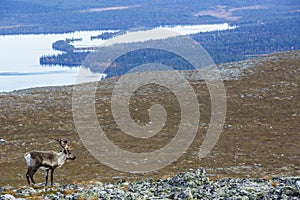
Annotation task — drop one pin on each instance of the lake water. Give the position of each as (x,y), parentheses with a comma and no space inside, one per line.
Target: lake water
(19,60)
(19,56)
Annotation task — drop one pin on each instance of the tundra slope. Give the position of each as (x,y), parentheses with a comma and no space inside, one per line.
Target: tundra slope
(260,136)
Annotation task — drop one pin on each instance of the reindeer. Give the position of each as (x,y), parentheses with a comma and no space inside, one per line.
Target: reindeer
(47,160)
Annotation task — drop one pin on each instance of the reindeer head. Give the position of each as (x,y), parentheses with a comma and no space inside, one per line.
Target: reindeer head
(67,146)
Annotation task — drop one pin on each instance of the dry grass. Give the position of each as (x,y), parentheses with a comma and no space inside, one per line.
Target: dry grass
(273,184)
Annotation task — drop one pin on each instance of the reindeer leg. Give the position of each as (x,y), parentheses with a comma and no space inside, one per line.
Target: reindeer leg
(28,174)
(32,172)
(46,177)
(52,172)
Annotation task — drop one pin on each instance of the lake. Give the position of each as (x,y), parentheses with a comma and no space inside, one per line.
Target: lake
(19,56)
(19,60)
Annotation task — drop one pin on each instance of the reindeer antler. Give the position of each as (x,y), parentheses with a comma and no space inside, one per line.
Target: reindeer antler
(66,144)
(61,142)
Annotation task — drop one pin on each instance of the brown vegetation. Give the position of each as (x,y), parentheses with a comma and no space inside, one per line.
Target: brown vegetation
(260,136)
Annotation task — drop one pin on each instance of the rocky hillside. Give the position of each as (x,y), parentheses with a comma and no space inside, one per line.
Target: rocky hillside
(260,136)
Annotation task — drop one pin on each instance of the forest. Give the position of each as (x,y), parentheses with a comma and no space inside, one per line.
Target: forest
(251,40)
(223,46)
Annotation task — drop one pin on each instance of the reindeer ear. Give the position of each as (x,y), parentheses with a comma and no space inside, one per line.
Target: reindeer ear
(71,144)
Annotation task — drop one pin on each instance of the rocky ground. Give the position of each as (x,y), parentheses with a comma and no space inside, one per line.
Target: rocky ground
(260,135)
(189,185)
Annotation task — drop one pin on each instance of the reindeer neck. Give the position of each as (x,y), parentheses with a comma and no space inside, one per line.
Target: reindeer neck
(61,158)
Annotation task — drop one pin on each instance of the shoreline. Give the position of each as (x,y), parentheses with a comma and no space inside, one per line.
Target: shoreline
(224,69)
